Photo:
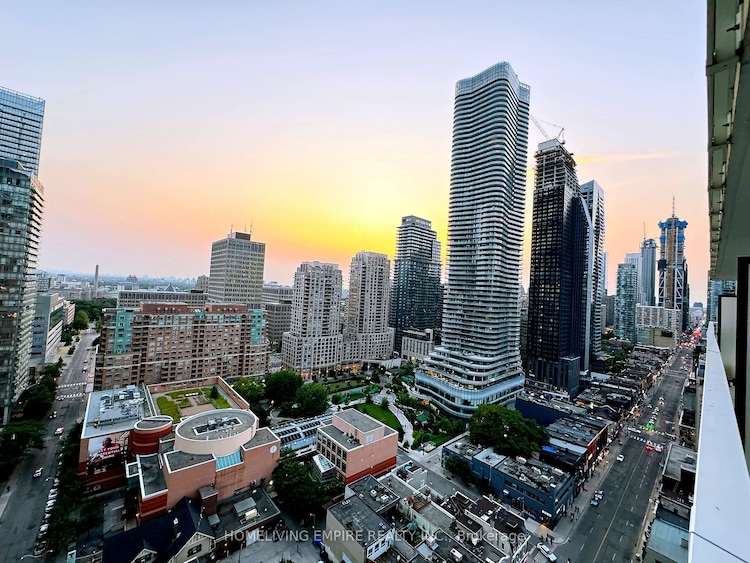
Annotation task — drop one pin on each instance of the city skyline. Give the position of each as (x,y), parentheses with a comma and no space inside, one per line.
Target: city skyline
(227,116)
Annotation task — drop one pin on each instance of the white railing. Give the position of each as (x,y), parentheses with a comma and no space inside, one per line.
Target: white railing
(719,518)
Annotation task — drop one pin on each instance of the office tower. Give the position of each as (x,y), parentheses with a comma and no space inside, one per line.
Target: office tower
(416,299)
(314,341)
(647,278)
(717,288)
(21,206)
(672,263)
(160,342)
(592,195)
(366,332)
(479,361)
(605,273)
(236,274)
(625,302)
(657,326)
(21,119)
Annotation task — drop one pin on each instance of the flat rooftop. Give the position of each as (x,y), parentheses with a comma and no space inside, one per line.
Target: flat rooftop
(180,460)
(359,420)
(364,524)
(374,493)
(539,475)
(216,424)
(340,437)
(112,411)
(152,477)
(489,457)
(679,458)
(262,436)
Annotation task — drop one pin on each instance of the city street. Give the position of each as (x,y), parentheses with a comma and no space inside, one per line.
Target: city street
(22,508)
(611,531)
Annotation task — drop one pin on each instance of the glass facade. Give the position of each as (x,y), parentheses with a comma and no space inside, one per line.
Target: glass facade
(21,205)
(479,361)
(416,300)
(21,118)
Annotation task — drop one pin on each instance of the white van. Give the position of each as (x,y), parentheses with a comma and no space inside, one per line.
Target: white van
(546,551)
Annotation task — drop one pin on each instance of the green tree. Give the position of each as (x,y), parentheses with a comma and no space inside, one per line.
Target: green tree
(384,402)
(312,399)
(298,493)
(81,321)
(507,431)
(249,389)
(281,387)
(16,438)
(214,394)
(38,399)
(459,468)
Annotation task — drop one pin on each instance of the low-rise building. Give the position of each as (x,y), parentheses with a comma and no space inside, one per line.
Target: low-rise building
(181,536)
(678,481)
(358,445)
(134,298)
(533,487)
(355,533)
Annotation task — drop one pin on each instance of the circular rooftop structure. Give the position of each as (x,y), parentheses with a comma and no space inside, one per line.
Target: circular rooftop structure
(219,432)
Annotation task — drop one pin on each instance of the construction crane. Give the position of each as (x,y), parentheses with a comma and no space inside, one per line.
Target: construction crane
(559,137)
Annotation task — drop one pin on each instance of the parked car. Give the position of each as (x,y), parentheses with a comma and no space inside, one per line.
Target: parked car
(59,431)
(38,473)
(620,457)
(546,551)
(50,505)
(52,494)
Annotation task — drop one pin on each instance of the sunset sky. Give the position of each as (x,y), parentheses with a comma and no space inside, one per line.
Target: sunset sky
(321,124)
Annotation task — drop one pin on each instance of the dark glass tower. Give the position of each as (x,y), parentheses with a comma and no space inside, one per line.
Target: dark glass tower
(559,303)
(415,300)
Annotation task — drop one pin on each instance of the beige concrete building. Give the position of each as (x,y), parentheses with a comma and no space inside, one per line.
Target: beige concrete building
(366,332)
(314,342)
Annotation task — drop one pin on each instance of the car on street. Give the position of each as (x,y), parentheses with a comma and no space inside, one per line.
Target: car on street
(38,473)
(43,530)
(50,505)
(40,548)
(650,448)
(546,551)
(56,482)
(52,494)
(594,502)
(620,457)
(59,431)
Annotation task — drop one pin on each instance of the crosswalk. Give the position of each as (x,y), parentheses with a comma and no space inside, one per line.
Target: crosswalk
(70,396)
(64,385)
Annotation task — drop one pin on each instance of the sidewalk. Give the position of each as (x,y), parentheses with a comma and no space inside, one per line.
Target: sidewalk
(565,527)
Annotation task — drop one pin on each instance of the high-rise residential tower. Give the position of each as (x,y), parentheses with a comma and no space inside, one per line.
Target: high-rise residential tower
(479,361)
(21,206)
(314,341)
(647,277)
(672,264)
(236,274)
(555,337)
(366,332)
(625,301)
(592,196)
(416,298)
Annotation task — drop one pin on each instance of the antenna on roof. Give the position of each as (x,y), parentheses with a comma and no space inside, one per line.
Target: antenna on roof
(673,206)
(644,230)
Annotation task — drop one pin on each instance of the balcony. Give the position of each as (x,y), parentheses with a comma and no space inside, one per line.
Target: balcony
(718,522)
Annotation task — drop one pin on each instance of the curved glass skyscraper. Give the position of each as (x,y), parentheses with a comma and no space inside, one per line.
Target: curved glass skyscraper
(479,360)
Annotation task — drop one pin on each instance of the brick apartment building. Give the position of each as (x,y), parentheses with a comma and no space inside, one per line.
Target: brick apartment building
(164,342)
